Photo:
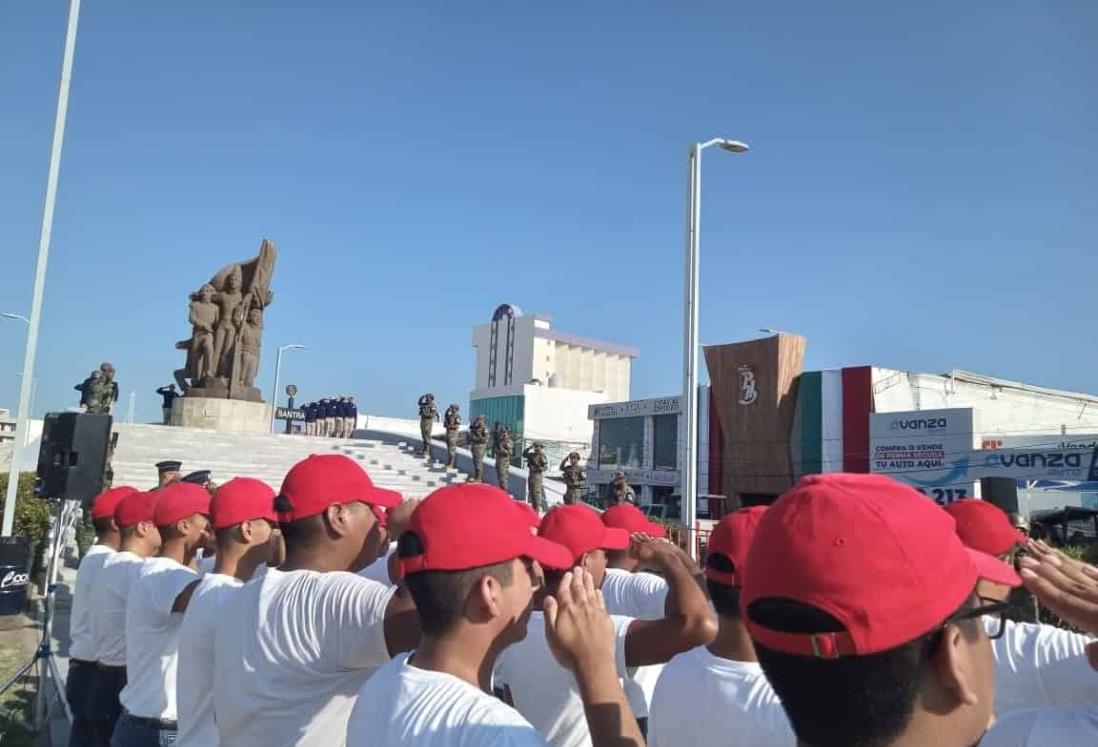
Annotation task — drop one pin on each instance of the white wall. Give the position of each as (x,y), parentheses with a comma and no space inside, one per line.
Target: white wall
(558,414)
(1001,408)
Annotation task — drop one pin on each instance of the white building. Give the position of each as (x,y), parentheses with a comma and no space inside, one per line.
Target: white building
(540,381)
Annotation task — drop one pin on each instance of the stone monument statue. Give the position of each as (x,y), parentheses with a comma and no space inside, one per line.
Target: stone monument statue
(226,318)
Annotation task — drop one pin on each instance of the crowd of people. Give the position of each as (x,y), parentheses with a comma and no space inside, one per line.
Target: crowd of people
(331,417)
(851,612)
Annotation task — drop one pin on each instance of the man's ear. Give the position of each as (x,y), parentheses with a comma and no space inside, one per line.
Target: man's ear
(246,532)
(488,596)
(335,516)
(584,561)
(955,665)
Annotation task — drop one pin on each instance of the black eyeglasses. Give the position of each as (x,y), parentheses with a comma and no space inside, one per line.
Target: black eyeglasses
(992,609)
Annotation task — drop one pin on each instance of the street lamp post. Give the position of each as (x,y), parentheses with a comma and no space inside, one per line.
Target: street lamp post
(689,506)
(22,423)
(278,374)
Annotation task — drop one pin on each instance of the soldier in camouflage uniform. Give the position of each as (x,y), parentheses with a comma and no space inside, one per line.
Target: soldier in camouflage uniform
(536,464)
(621,491)
(428,414)
(478,442)
(574,479)
(452,421)
(503,448)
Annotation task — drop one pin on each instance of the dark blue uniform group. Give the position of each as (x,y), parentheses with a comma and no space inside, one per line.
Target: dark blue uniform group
(333,417)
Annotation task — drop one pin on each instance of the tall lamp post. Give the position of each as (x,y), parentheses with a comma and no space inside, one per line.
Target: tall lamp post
(278,374)
(690,338)
(24,320)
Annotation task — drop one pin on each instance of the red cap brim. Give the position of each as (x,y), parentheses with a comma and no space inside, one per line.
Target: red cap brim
(994,570)
(656,530)
(615,539)
(384,498)
(548,553)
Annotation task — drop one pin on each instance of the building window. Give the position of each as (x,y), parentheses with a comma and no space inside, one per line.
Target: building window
(665,503)
(621,443)
(665,447)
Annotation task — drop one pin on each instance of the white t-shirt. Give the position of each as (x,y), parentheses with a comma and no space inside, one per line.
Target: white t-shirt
(1041,665)
(80,627)
(702,699)
(640,595)
(108,606)
(195,673)
(291,655)
(206,562)
(379,569)
(1045,727)
(152,638)
(543,691)
(404,705)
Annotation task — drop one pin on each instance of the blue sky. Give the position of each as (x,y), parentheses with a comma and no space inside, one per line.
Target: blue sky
(920,193)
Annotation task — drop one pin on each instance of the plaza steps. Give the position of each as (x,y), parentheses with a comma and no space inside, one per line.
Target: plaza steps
(267,457)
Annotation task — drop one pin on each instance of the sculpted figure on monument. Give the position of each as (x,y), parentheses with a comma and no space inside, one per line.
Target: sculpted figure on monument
(226,317)
(228,304)
(251,339)
(203,317)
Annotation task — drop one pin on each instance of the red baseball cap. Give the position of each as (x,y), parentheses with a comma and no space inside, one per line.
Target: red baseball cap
(320,480)
(103,505)
(180,500)
(581,530)
(135,508)
(529,512)
(984,526)
(873,553)
(242,499)
(474,525)
(632,519)
(731,538)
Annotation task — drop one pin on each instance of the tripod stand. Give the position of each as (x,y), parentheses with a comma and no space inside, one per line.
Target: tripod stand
(43,662)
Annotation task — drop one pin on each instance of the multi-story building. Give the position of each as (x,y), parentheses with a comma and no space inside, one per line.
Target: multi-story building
(541,381)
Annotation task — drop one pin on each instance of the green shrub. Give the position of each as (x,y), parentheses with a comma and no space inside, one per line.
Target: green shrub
(32,514)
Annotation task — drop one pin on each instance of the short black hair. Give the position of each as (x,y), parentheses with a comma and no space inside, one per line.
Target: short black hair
(615,557)
(301,532)
(440,595)
(725,598)
(102,524)
(851,701)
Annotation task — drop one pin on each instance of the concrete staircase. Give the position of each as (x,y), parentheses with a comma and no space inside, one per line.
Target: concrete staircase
(267,457)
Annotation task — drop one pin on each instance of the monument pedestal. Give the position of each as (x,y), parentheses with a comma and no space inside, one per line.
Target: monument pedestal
(231,415)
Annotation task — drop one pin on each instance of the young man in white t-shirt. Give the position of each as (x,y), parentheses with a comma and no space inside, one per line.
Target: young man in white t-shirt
(472,565)
(1069,588)
(1035,664)
(80,683)
(154,612)
(543,691)
(297,644)
(863,608)
(717,695)
(632,591)
(107,606)
(243,518)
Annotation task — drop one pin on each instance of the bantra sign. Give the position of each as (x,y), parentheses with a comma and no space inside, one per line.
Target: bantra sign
(749,390)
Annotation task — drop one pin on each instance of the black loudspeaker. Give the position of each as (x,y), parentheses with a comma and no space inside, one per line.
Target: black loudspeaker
(72,462)
(1002,491)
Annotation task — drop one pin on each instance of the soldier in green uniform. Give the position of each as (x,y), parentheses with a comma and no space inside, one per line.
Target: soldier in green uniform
(503,448)
(536,464)
(428,414)
(621,491)
(574,478)
(478,442)
(452,421)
